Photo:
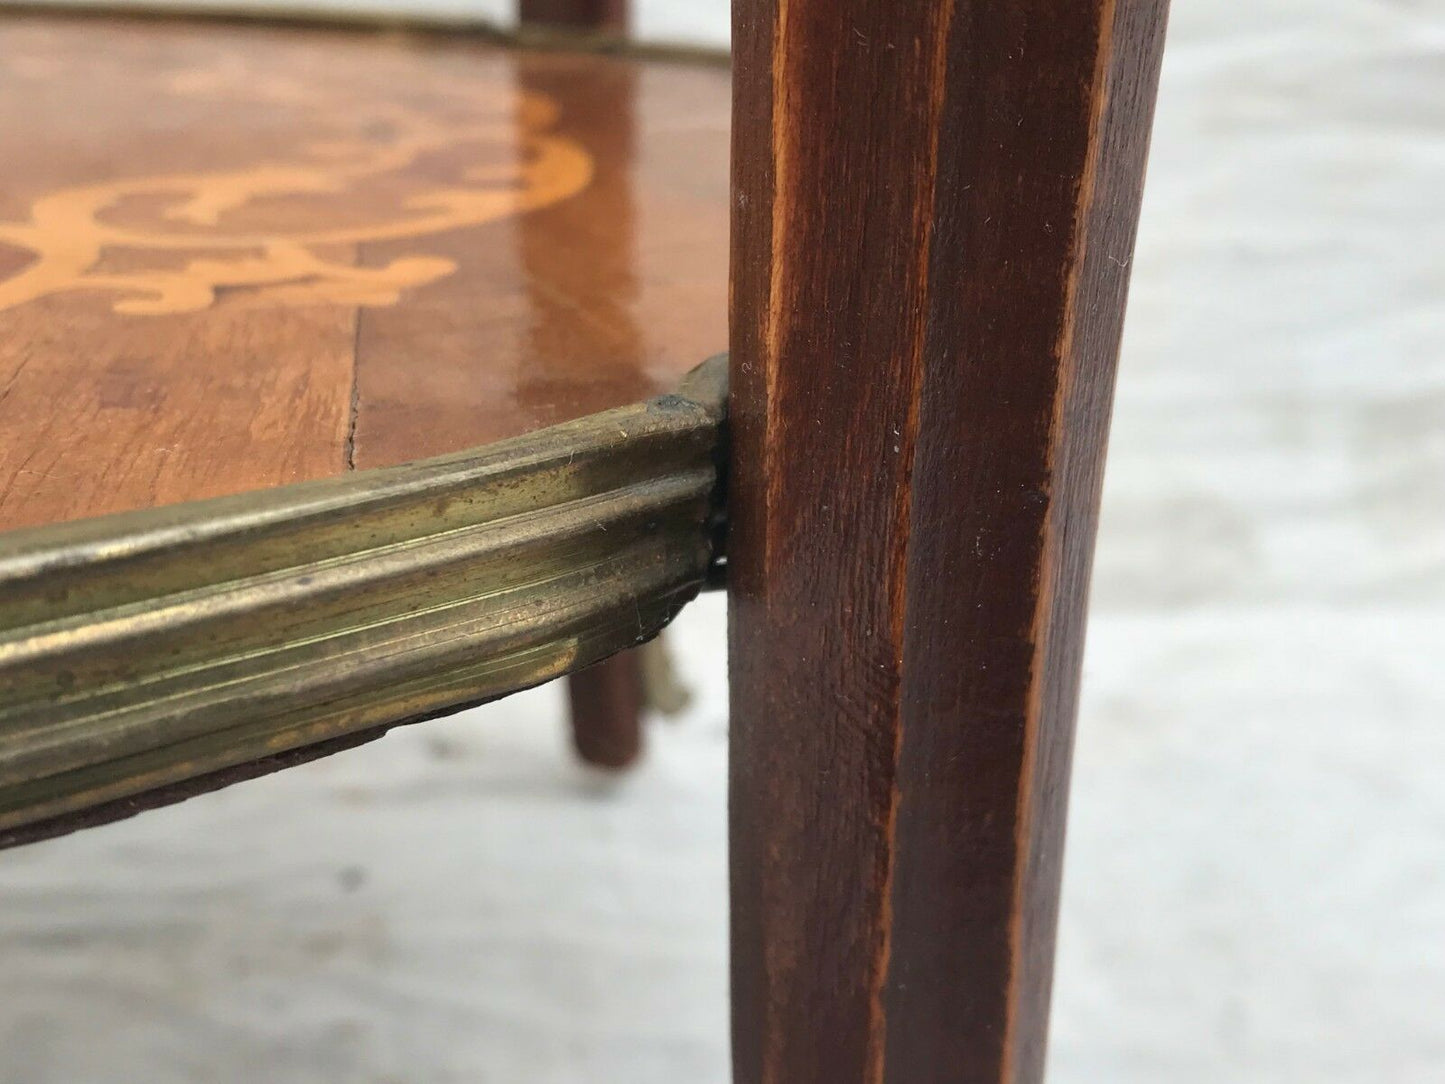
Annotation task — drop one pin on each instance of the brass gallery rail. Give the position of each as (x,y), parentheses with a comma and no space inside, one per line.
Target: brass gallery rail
(145,650)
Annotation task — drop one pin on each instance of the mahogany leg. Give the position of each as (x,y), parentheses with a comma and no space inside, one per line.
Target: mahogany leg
(608,15)
(606,702)
(934,205)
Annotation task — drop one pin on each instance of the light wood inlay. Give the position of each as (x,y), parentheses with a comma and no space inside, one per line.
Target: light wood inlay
(235,257)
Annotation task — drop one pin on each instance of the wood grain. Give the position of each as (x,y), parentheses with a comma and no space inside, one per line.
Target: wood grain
(478,290)
(933,215)
(606,703)
(607,15)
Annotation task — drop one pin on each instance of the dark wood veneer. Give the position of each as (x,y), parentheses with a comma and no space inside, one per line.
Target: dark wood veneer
(607,702)
(599,15)
(933,214)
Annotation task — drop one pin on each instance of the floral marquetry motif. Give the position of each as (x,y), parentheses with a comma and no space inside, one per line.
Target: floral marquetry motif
(284,228)
(239,256)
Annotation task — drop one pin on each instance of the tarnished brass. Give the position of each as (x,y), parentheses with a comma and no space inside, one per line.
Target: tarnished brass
(141,650)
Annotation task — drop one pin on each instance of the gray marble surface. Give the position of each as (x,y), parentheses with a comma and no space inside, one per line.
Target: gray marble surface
(1255,885)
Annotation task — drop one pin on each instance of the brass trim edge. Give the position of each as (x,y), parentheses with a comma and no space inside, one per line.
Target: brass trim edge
(142,650)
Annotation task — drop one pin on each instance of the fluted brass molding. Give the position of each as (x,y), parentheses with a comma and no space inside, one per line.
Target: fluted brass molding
(141,650)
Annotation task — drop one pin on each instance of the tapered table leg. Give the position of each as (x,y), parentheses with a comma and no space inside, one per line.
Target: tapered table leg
(606,702)
(934,205)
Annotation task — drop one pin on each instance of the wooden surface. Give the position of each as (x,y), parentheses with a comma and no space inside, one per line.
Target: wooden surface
(606,703)
(934,210)
(234,257)
(605,15)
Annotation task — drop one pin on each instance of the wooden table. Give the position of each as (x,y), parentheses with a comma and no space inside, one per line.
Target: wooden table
(234,257)
(238,257)
(234,260)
